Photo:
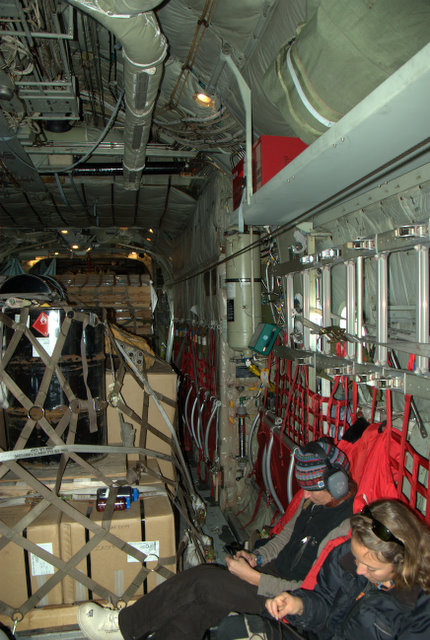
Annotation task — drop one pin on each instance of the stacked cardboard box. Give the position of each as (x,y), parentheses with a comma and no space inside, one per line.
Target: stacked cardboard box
(127,296)
(148,525)
(162,379)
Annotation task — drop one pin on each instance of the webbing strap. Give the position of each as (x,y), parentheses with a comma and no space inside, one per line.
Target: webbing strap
(19,329)
(144,422)
(83,520)
(90,402)
(70,418)
(50,363)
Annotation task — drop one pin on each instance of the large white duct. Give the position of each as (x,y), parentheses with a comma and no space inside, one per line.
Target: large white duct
(144,48)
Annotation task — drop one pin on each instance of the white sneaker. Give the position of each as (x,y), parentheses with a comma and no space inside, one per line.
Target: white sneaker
(98,623)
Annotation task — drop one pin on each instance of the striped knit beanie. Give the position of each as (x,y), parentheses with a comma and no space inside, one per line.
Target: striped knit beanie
(311,466)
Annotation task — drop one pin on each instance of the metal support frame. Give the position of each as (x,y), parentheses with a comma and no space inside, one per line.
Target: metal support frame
(12,12)
(422,319)
(378,373)
(360,275)
(245,93)
(326,304)
(306,308)
(382,308)
(351,300)
(289,297)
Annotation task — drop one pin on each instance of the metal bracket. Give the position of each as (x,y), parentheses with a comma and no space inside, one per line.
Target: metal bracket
(329,254)
(346,370)
(380,381)
(367,244)
(412,231)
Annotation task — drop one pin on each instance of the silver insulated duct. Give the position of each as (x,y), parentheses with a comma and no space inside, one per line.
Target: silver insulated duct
(144,48)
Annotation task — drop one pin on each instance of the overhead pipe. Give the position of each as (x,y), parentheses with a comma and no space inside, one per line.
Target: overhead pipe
(101,169)
(135,26)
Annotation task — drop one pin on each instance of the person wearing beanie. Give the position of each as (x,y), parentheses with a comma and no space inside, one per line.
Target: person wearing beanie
(189,603)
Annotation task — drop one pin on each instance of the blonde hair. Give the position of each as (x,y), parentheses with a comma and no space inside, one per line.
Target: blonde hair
(411,559)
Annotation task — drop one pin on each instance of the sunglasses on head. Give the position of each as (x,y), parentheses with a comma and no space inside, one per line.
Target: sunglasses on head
(379,529)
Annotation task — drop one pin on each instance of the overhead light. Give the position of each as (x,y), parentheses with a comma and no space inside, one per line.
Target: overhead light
(203,99)
(64,231)
(75,246)
(133,255)
(151,230)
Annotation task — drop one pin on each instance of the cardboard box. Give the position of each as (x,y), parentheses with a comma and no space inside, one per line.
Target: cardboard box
(162,380)
(73,536)
(13,586)
(45,532)
(158,527)
(149,526)
(109,565)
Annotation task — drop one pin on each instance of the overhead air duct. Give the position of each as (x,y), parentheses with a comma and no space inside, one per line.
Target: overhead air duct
(144,48)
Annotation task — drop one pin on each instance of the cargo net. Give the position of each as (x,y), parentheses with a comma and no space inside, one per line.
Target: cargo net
(302,415)
(55,406)
(194,355)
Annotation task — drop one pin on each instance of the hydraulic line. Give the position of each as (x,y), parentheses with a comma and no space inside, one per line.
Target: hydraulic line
(250,436)
(290,474)
(215,412)
(193,431)
(186,408)
(200,422)
(241,413)
(263,469)
(269,474)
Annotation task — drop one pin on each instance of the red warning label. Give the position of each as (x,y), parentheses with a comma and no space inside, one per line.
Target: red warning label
(41,324)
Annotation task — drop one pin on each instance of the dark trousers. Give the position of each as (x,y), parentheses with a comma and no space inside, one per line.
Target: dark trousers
(186,605)
(251,627)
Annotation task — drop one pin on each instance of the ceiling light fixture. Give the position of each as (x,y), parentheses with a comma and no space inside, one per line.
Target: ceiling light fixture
(64,231)
(75,246)
(203,99)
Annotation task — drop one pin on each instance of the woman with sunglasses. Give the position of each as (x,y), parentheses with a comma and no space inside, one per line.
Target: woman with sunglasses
(375,586)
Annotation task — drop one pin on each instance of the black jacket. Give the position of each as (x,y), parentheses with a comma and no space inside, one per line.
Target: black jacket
(336,608)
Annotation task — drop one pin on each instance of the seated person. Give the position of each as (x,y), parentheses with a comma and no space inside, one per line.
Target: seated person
(375,586)
(186,605)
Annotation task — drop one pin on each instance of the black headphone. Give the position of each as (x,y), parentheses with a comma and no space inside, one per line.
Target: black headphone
(336,479)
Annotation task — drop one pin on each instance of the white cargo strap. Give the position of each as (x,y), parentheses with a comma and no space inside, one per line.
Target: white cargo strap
(302,96)
(36,452)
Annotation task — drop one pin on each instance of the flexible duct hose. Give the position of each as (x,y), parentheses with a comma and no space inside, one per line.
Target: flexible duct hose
(144,49)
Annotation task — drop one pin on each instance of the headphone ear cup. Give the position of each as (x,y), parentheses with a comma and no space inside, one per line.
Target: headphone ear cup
(337,483)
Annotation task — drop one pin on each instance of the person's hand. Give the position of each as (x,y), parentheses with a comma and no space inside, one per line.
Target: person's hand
(250,557)
(284,604)
(241,568)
